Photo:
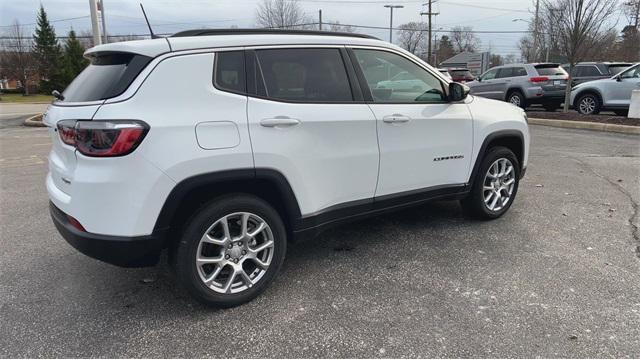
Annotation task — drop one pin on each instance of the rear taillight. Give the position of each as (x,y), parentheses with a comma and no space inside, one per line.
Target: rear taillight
(538,79)
(103,138)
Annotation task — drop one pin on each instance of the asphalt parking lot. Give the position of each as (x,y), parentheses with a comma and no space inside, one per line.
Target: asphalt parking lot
(557,276)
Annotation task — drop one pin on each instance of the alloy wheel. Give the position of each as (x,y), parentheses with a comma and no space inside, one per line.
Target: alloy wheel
(587,105)
(235,252)
(498,185)
(515,100)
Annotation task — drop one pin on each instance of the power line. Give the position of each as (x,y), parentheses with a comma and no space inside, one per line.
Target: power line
(35,23)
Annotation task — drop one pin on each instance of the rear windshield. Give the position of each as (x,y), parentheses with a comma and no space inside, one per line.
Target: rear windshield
(460,73)
(550,70)
(616,69)
(107,76)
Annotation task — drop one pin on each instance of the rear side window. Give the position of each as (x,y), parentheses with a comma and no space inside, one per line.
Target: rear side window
(587,71)
(550,70)
(303,75)
(519,71)
(505,72)
(229,74)
(108,75)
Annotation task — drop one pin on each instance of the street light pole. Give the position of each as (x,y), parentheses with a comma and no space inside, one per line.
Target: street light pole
(391,7)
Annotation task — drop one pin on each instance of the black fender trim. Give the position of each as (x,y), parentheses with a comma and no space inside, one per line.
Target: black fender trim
(483,149)
(182,189)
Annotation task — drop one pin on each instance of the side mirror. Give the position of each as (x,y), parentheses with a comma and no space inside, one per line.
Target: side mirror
(479,79)
(618,78)
(458,91)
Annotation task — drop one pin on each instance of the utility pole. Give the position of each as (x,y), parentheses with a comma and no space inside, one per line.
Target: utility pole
(93,7)
(104,23)
(429,14)
(535,32)
(320,19)
(391,7)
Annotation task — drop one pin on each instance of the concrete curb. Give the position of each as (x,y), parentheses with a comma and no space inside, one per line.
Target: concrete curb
(594,126)
(34,122)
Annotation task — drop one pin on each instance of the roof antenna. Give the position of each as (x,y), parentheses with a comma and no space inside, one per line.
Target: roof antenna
(153,36)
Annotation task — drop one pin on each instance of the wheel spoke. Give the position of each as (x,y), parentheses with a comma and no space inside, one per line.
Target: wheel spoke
(224,222)
(509,182)
(245,224)
(214,275)
(209,260)
(207,238)
(495,200)
(263,246)
(262,264)
(232,277)
(487,198)
(245,277)
(257,231)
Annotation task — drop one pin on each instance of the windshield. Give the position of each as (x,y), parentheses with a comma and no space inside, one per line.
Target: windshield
(107,76)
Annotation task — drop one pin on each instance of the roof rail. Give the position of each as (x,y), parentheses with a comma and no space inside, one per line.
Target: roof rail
(212,32)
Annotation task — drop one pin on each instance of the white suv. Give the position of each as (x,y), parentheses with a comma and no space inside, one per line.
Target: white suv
(221,146)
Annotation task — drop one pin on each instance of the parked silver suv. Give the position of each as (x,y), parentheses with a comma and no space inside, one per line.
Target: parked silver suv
(523,84)
(607,94)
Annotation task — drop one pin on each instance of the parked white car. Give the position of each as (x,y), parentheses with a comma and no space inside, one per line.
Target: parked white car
(222,145)
(607,94)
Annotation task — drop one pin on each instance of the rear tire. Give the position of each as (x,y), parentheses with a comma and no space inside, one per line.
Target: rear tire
(516,98)
(494,186)
(588,104)
(231,250)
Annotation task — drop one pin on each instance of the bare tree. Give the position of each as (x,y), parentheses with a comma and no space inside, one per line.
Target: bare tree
(281,14)
(412,36)
(464,39)
(584,25)
(17,60)
(632,11)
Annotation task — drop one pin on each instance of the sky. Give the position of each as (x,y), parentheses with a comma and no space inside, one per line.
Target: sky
(168,16)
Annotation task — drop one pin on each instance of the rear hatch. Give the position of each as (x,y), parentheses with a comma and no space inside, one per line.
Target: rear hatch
(551,77)
(108,75)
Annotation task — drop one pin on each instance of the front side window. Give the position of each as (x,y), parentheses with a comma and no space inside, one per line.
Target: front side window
(490,75)
(229,73)
(395,79)
(303,75)
(633,72)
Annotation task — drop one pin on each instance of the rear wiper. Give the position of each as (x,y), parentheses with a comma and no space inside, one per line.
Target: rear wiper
(57,95)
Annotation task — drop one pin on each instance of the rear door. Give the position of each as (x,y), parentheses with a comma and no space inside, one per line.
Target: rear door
(308,121)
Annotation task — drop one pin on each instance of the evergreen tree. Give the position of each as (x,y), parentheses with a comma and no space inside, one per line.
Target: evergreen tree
(47,53)
(74,62)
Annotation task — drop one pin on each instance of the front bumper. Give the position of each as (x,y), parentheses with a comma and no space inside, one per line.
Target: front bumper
(140,251)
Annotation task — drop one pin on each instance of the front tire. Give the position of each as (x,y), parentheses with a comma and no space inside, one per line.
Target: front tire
(588,104)
(494,186)
(231,249)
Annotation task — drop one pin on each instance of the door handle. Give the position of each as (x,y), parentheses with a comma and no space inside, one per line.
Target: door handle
(396,118)
(279,121)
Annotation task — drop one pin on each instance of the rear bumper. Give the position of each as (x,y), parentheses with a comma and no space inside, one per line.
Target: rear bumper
(140,251)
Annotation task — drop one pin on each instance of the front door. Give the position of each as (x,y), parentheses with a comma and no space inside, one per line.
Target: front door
(621,90)
(488,85)
(425,141)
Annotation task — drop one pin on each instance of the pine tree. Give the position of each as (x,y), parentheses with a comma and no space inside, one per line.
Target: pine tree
(74,62)
(47,53)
